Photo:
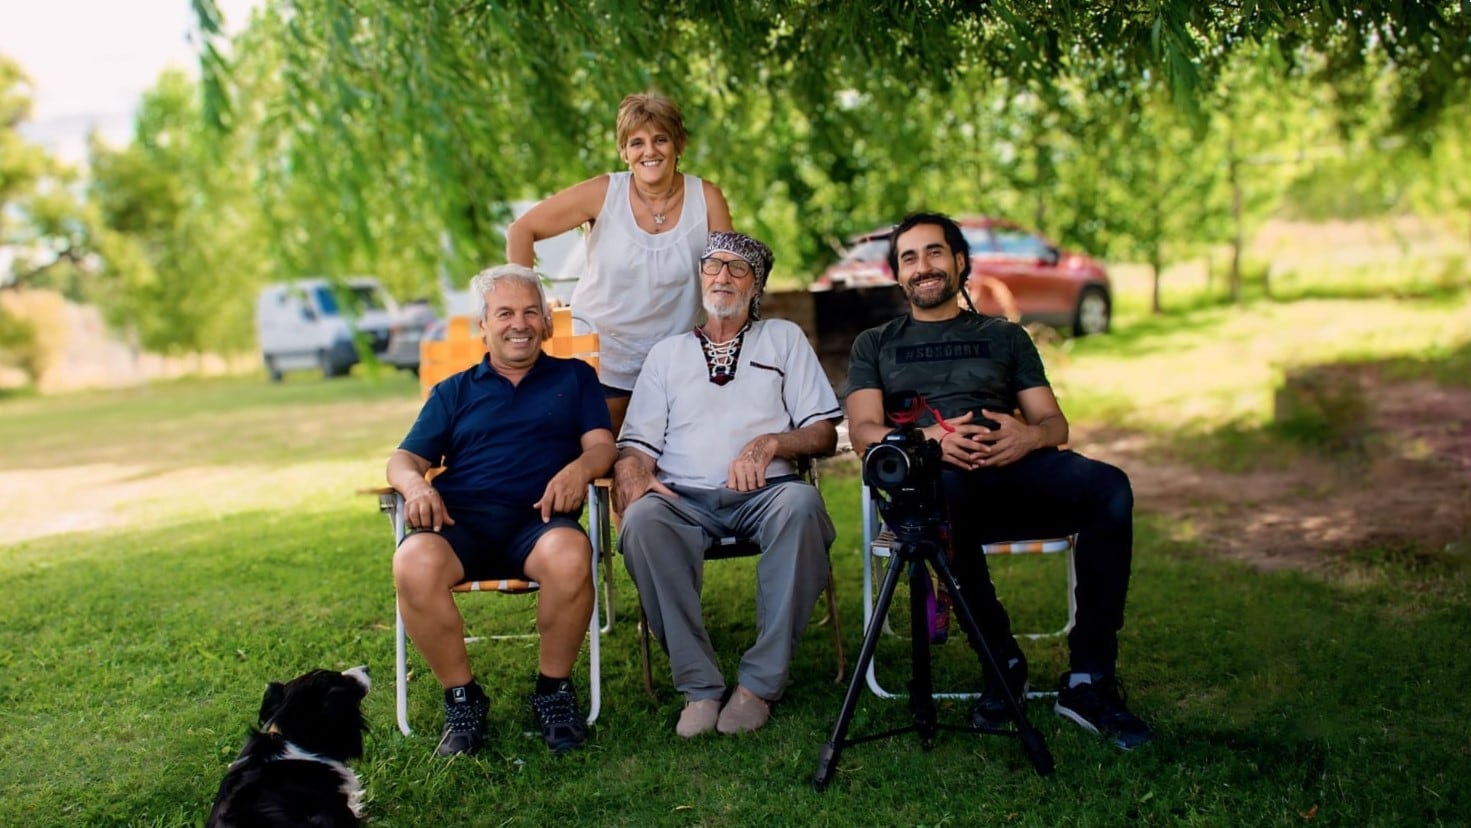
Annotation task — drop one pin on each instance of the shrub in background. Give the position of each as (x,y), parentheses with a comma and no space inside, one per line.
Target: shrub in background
(1323,406)
(32,330)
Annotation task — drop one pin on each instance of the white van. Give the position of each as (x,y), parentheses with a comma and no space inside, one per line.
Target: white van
(309,323)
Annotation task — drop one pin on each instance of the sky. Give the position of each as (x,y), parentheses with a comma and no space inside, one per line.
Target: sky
(91,61)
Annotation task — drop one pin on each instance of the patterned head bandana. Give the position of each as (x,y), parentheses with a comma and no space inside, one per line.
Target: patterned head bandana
(754,252)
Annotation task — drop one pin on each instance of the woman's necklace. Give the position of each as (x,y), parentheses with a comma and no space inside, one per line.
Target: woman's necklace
(664,202)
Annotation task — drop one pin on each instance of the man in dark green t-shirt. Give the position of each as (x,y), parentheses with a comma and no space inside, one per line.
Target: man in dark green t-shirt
(1005,476)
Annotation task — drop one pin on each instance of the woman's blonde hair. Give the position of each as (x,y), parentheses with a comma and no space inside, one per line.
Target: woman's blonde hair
(643,108)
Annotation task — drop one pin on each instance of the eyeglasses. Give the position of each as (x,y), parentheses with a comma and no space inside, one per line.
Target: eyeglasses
(739,268)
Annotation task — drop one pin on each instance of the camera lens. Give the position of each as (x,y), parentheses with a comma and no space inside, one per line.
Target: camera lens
(888,465)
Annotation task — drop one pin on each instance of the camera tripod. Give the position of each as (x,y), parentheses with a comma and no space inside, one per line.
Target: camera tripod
(917,547)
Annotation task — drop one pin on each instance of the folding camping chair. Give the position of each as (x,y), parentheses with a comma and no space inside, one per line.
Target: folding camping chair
(726,548)
(461,349)
(878,545)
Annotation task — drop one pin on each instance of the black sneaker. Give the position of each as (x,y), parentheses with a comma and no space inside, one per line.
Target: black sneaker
(1099,708)
(562,725)
(991,709)
(465,709)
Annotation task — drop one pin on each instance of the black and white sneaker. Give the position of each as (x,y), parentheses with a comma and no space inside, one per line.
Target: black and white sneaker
(1098,707)
(465,709)
(991,709)
(563,726)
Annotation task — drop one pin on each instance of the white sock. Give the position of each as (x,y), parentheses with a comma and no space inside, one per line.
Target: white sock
(1075,679)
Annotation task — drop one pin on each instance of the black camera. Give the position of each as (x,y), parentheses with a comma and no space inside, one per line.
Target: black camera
(905,460)
(903,468)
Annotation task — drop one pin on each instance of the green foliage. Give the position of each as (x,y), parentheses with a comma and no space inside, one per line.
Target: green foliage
(18,344)
(43,226)
(21,164)
(378,138)
(181,249)
(1441,156)
(819,119)
(33,327)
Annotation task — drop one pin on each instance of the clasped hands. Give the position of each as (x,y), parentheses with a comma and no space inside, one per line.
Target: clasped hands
(973,445)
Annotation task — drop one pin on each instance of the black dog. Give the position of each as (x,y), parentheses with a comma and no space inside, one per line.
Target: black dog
(293,769)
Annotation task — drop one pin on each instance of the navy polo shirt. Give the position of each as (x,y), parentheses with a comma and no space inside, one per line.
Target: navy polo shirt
(502,443)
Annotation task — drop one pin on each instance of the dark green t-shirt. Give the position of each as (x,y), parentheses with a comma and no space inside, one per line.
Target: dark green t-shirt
(962,364)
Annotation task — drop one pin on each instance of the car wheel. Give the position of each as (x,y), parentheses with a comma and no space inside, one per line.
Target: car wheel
(1094,312)
(324,361)
(272,371)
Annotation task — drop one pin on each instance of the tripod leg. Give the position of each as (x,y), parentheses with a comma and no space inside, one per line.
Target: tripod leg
(827,760)
(921,683)
(1031,740)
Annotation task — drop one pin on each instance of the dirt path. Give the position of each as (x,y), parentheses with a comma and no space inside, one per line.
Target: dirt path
(1409,492)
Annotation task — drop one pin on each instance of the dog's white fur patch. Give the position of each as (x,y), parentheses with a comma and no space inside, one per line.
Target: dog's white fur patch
(351,787)
(360,673)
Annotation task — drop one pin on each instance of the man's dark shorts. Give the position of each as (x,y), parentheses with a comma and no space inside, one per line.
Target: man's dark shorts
(495,541)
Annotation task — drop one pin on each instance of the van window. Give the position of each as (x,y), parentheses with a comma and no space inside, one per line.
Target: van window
(363,297)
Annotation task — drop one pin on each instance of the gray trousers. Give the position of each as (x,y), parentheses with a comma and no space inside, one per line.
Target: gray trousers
(664,541)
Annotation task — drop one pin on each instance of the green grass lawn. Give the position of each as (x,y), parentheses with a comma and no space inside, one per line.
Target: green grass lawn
(133,654)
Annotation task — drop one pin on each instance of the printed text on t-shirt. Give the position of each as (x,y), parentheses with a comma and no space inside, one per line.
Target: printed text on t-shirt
(941,352)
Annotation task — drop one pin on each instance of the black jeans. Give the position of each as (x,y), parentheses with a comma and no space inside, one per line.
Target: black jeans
(1047,494)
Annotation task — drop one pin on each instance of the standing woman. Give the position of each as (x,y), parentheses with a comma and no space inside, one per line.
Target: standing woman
(648,230)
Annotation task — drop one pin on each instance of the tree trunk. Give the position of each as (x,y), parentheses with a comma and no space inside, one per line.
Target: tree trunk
(1042,182)
(1156,244)
(1156,265)
(1233,172)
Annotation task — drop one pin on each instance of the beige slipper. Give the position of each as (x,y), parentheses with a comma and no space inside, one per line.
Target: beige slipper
(745,711)
(697,717)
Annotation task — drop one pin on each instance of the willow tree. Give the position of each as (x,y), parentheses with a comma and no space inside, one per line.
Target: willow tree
(180,248)
(803,111)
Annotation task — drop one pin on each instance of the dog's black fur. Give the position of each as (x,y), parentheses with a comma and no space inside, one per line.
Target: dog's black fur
(293,768)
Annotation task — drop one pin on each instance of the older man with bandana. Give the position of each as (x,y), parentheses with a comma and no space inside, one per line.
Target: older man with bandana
(719,416)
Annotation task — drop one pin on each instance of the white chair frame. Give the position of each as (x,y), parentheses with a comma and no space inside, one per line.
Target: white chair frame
(391,503)
(877,544)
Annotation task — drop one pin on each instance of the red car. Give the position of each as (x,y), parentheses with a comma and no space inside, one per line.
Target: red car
(1014,273)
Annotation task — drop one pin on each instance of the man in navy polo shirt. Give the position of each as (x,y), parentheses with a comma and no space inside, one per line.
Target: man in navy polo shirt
(520,436)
